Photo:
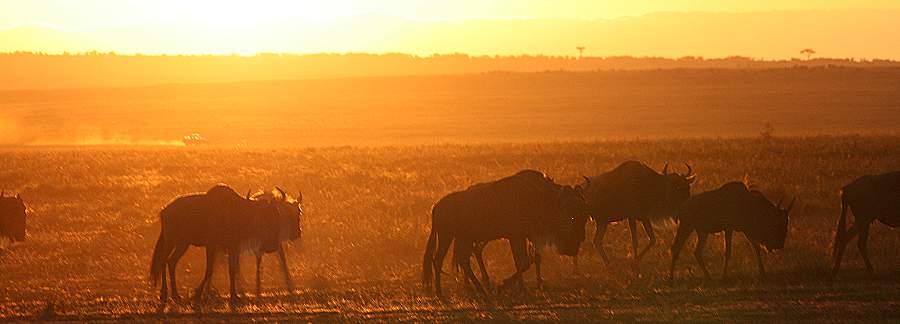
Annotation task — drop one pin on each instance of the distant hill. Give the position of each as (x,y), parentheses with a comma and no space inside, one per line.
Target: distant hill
(39,71)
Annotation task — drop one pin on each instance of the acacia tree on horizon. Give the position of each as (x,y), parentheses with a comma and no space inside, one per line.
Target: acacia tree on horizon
(808,52)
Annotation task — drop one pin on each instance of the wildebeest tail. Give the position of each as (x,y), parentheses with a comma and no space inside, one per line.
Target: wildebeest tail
(842,224)
(428,259)
(160,254)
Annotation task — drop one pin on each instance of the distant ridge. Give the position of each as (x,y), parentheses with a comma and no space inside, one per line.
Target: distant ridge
(24,70)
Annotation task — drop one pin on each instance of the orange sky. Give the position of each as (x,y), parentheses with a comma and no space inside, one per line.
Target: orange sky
(712,28)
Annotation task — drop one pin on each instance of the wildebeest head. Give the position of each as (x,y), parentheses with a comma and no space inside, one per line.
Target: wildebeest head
(12,217)
(573,215)
(678,187)
(288,212)
(776,223)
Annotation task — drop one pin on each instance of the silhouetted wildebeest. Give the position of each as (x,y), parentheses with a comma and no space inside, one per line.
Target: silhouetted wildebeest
(731,207)
(219,219)
(289,214)
(870,197)
(523,207)
(12,217)
(634,192)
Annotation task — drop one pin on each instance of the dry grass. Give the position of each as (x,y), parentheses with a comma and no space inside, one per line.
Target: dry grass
(92,226)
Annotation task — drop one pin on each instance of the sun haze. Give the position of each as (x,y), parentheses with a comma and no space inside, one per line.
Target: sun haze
(650,27)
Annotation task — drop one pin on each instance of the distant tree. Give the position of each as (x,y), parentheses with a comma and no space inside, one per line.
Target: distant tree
(768,132)
(808,52)
(580,51)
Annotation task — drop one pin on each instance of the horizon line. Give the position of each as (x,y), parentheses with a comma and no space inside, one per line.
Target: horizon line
(437,54)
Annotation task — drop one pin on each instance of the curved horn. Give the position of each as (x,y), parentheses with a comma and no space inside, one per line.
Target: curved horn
(586,180)
(690,170)
(283,195)
(666,169)
(248,194)
(791,205)
(299,196)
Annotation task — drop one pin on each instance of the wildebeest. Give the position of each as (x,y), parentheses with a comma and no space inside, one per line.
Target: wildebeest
(870,197)
(732,207)
(12,217)
(527,206)
(634,192)
(219,219)
(289,215)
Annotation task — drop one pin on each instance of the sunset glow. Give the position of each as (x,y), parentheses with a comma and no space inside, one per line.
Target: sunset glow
(423,28)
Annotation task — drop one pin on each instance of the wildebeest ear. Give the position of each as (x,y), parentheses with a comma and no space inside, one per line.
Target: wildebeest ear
(2,193)
(665,170)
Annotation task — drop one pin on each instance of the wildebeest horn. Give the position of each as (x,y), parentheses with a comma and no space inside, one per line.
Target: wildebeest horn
(791,205)
(666,169)
(248,193)
(299,196)
(283,195)
(690,170)
(586,180)
(17,196)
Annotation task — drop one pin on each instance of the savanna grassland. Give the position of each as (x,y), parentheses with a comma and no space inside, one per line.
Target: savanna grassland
(92,224)
(463,108)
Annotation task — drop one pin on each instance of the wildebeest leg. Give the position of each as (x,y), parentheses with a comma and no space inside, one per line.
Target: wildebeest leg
(463,255)
(680,238)
(575,264)
(537,266)
(444,241)
(478,250)
(632,226)
(598,239)
(762,269)
(648,227)
(519,249)
(698,252)
(259,255)
(842,242)
(284,268)
(862,245)
(728,235)
(210,263)
(233,264)
(164,288)
(172,262)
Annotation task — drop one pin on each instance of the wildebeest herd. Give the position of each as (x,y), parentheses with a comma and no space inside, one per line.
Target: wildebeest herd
(528,209)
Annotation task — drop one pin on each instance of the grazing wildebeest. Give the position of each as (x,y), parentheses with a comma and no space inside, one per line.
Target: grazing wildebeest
(289,215)
(12,217)
(523,207)
(634,192)
(219,219)
(870,197)
(731,207)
